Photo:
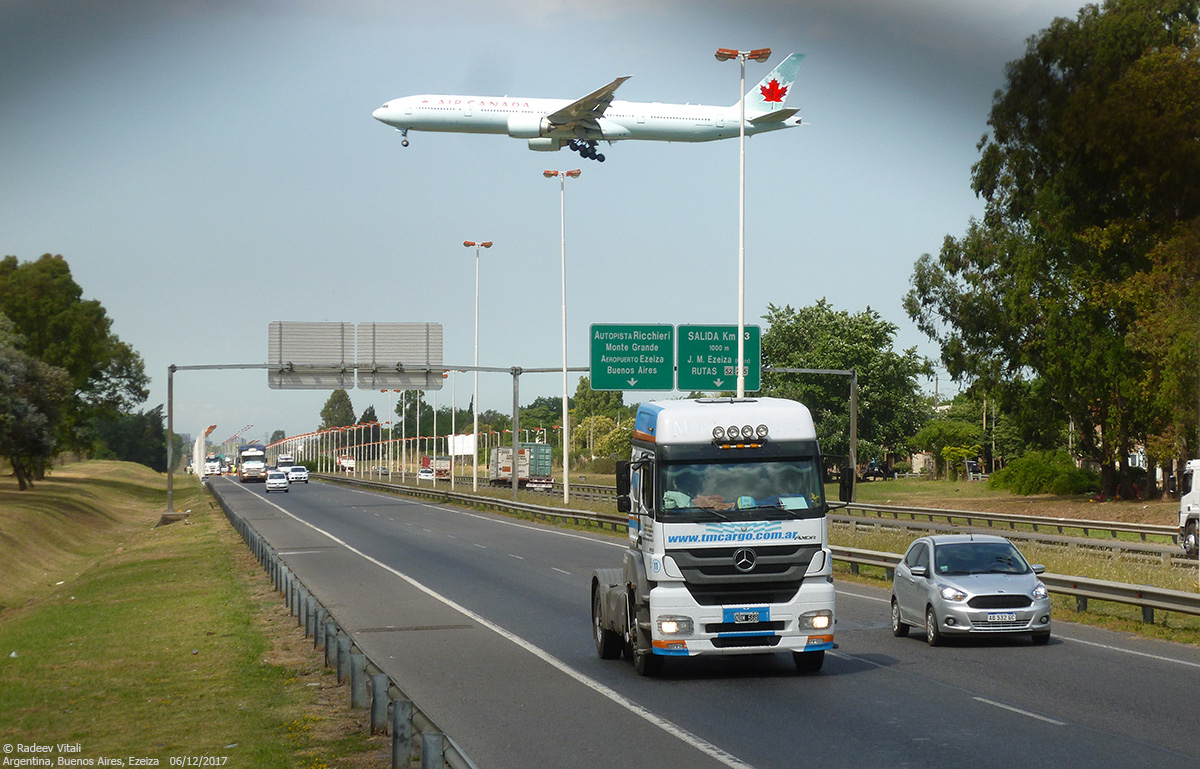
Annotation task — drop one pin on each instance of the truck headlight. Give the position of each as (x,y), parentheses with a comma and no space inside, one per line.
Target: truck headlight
(672,625)
(816,620)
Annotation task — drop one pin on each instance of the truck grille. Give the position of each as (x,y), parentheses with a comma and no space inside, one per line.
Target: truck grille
(723,594)
(730,642)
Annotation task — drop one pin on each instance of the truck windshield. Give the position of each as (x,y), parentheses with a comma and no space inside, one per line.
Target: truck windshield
(775,488)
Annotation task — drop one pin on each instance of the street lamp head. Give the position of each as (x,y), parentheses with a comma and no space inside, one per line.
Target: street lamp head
(760,54)
(574,174)
(549,174)
(725,54)
(468,243)
(486,244)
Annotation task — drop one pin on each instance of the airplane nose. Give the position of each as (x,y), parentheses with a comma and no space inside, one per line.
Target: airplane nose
(381,113)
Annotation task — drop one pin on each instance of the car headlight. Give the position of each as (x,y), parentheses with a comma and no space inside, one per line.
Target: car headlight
(1040,592)
(949,593)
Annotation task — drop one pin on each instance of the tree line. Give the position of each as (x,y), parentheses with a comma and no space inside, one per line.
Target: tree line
(67,382)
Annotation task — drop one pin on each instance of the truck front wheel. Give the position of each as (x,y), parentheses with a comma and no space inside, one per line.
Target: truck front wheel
(608,643)
(645,661)
(1190,540)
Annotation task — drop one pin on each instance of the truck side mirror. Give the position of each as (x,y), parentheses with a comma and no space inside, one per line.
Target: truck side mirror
(623,504)
(623,478)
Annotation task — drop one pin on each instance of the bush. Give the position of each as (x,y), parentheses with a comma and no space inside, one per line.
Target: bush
(1045,472)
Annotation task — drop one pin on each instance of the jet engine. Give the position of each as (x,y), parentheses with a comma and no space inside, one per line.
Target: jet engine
(545,145)
(528,126)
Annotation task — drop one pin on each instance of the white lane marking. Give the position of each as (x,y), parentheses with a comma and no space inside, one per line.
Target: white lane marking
(993,703)
(649,716)
(560,571)
(864,597)
(518,557)
(1158,657)
(481,547)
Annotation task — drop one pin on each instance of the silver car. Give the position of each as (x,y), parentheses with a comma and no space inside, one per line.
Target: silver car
(276,481)
(297,474)
(959,584)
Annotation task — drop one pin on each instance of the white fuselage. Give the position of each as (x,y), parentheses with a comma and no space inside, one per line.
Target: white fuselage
(524,118)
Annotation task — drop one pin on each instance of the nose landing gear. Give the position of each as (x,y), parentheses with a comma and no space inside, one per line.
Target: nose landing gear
(404,136)
(586,148)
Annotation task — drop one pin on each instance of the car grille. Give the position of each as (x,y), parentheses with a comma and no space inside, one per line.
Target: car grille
(983,624)
(744,627)
(1002,601)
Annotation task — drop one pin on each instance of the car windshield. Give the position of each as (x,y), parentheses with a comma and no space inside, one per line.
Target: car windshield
(777,488)
(978,558)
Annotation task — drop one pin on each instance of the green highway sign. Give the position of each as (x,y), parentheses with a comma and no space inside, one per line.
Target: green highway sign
(625,357)
(708,358)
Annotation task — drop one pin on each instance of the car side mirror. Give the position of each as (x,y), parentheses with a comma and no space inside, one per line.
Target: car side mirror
(918,571)
(1038,568)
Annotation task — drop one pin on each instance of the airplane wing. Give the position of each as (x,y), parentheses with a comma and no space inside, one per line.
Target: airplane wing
(587,111)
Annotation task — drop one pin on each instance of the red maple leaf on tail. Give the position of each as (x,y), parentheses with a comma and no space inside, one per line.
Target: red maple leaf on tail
(772,92)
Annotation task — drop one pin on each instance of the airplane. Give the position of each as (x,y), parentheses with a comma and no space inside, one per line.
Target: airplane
(580,125)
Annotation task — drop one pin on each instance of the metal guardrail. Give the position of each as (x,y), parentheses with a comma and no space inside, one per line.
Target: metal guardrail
(1035,522)
(1147,597)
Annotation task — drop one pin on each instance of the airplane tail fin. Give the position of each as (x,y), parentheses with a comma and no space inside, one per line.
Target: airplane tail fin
(772,91)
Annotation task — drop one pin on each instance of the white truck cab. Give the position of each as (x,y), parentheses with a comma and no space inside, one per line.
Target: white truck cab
(1189,509)
(728,545)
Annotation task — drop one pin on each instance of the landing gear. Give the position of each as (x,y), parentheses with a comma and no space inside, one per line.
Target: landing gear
(404,135)
(586,148)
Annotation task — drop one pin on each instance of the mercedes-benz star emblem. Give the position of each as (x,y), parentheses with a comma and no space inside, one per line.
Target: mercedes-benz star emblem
(744,559)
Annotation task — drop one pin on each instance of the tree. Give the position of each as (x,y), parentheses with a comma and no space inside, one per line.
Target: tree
(338,411)
(890,406)
(136,437)
(32,397)
(57,326)
(1090,175)
(943,432)
(277,436)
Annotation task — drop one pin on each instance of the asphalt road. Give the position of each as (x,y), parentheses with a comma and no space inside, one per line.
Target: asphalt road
(485,623)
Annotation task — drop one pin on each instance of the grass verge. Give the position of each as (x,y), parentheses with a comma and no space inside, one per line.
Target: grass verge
(170,643)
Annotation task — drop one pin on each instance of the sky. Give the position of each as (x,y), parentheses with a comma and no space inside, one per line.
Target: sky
(209,167)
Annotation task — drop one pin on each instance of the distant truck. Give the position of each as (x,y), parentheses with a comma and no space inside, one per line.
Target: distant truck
(533,466)
(346,464)
(1189,509)
(284,462)
(212,465)
(252,462)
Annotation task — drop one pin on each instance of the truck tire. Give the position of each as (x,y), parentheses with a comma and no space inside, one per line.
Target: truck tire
(645,661)
(608,643)
(1190,540)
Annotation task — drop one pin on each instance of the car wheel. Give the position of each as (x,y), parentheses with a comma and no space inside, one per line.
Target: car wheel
(932,634)
(1041,639)
(899,629)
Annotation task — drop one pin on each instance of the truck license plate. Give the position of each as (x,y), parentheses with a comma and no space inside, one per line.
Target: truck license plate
(745,616)
(997,616)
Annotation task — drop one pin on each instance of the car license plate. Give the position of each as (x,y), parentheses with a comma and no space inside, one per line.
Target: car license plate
(745,616)
(1002,616)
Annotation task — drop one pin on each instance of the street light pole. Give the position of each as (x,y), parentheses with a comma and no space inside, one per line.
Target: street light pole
(760,55)
(562,190)
(475,400)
